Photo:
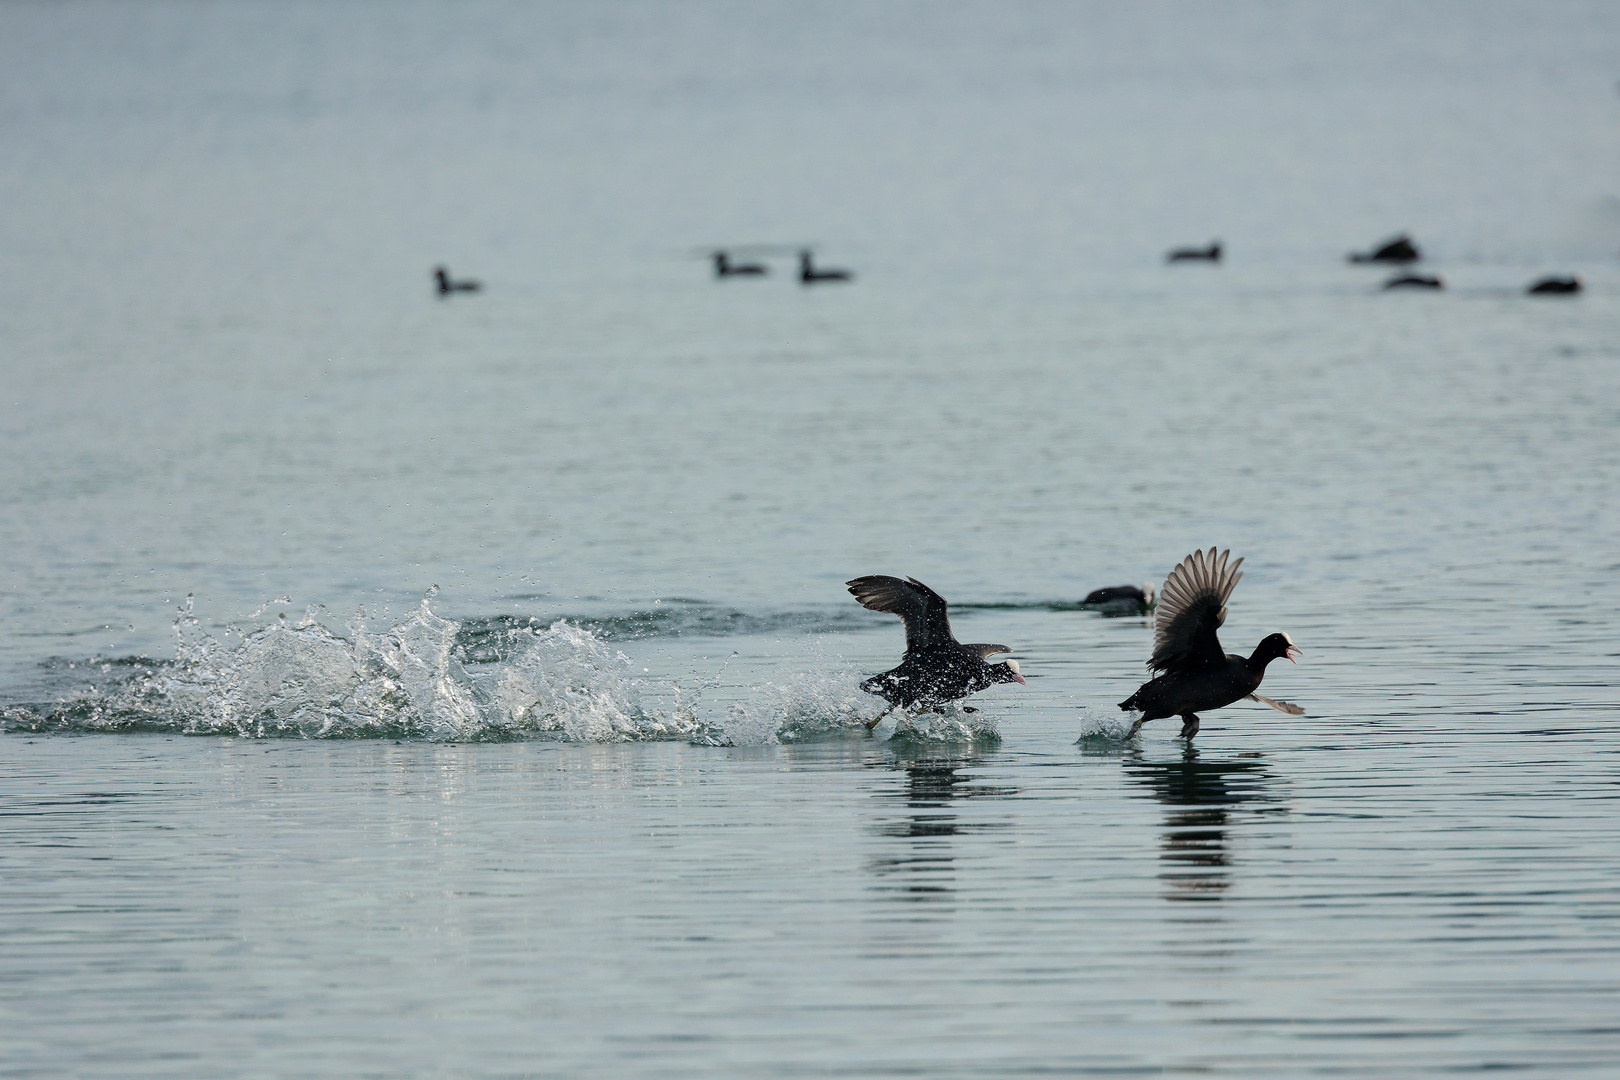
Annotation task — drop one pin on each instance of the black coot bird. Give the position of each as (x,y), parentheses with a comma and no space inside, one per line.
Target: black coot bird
(1399,249)
(1209,254)
(1127,598)
(447,286)
(1197,674)
(723,267)
(937,668)
(1414,281)
(1555,286)
(809,275)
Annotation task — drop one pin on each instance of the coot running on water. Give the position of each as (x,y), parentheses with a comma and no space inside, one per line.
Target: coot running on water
(1209,254)
(724,269)
(1555,286)
(1399,249)
(937,668)
(1414,281)
(1127,598)
(809,275)
(1197,673)
(447,286)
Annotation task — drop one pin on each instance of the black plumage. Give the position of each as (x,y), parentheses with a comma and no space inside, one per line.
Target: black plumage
(1414,281)
(448,285)
(937,668)
(1121,599)
(1203,254)
(724,267)
(1555,286)
(809,275)
(1196,673)
(1398,250)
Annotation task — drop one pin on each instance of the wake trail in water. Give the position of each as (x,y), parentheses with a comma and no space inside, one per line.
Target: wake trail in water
(427,678)
(412,680)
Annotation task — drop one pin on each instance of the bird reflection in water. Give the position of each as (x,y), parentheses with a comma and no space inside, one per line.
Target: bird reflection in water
(923,869)
(1199,797)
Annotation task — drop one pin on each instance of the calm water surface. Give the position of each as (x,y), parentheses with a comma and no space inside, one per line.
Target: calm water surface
(391,686)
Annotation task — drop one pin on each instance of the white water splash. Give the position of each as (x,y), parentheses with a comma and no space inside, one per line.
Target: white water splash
(1102,723)
(951,725)
(808,706)
(408,680)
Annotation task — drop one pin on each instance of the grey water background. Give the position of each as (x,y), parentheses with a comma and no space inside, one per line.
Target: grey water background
(364,805)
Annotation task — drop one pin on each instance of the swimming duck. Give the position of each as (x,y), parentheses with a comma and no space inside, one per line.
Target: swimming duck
(1555,286)
(1117,597)
(724,269)
(1196,673)
(809,275)
(447,286)
(1209,254)
(1399,249)
(937,668)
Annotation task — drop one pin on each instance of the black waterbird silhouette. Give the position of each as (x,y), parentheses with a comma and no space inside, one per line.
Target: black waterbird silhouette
(723,267)
(1399,249)
(1203,254)
(448,286)
(937,668)
(1197,674)
(1555,286)
(809,275)
(1122,599)
(1414,281)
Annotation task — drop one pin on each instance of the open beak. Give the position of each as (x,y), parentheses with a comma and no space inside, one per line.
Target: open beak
(1294,653)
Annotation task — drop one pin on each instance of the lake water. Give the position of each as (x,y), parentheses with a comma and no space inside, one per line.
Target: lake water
(402,686)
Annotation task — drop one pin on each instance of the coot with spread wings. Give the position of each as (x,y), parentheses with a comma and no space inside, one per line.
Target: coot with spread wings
(1196,673)
(937,668)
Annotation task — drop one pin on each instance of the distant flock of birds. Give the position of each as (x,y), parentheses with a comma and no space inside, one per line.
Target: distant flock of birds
(1192,672)
(809,273)
(1396,251)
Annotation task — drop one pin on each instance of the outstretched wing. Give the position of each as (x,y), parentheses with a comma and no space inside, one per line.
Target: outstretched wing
(1281,706)
(987,651)
(1192,606)
(919,607)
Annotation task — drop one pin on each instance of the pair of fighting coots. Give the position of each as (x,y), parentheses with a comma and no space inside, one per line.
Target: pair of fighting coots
(1195,673)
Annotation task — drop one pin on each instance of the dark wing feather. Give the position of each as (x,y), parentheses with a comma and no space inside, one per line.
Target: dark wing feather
(919,607)
(1192,606)
(986,651)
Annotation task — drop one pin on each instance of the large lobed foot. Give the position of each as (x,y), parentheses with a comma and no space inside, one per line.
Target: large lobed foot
(1189,725)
